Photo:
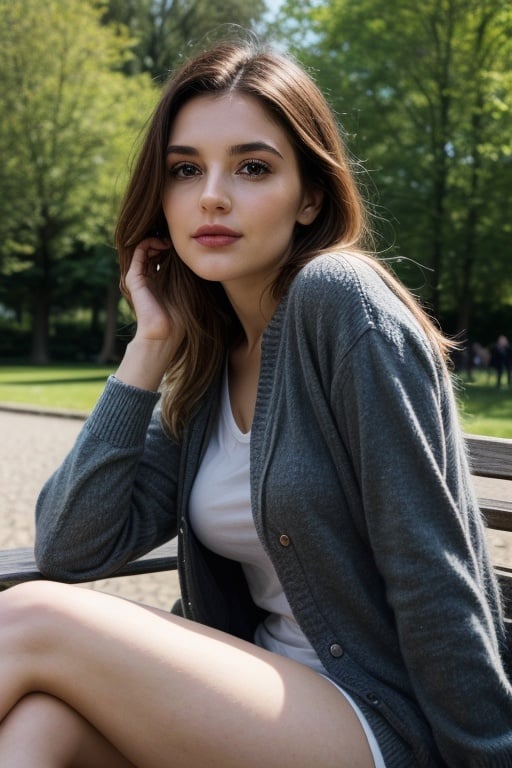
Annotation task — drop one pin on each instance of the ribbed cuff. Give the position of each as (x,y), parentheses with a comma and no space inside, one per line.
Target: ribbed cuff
(122,414)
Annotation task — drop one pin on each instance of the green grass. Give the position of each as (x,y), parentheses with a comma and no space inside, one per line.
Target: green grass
(484,409)
(70,387)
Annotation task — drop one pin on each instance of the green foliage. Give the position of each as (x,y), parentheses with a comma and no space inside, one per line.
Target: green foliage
(69,117)
(75,336)
(76,90)
(424,93)
(426,97)
(165,30)
(64,110)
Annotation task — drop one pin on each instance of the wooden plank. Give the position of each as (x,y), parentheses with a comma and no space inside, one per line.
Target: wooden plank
(490,456)
(17,565)
(505,581)
(497,513)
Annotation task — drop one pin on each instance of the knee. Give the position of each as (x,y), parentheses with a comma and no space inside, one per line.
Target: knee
(28,611)
(30,711)
(25,598)
(38,730)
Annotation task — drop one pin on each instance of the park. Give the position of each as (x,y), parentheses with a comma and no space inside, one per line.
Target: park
(430,119)
(304,256)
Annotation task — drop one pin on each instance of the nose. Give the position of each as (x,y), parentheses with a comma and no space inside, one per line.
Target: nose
(215,195)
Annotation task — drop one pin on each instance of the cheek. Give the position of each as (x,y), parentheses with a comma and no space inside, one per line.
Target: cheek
(172,217)
(279,207)
(173,212)
(281,220)
(168,202)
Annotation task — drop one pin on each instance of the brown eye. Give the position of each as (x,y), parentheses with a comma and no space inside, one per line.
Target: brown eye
(254,168)
(183,171)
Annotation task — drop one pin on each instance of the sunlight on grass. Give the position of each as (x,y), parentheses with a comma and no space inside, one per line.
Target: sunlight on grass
(484,409)
(73,388)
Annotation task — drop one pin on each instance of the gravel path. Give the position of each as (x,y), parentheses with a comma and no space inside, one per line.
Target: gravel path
(32,446)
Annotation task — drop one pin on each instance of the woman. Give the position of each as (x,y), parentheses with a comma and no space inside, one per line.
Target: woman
(339,607)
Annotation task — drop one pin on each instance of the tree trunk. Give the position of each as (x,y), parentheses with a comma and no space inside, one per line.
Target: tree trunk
(472,217)
(109,352)
(41,310)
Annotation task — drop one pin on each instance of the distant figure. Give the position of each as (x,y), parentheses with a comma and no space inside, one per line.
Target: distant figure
(501,359)
(467,358)
(481,357)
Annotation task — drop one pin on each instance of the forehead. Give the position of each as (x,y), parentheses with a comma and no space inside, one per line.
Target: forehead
(227,118)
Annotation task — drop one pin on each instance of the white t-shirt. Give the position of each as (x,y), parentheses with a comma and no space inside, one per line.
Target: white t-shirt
(221,517)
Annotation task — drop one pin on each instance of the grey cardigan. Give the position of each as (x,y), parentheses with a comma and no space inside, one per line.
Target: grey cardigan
(361,496)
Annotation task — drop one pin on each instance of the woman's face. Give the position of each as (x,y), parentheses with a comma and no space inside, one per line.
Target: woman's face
(233,192)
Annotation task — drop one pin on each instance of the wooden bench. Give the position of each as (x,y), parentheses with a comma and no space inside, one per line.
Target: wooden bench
(17,565)
(491,458)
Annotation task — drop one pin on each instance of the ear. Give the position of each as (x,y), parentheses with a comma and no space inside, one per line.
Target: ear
(311,204)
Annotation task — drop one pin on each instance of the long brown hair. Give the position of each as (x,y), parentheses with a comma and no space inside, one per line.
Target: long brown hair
(291,98)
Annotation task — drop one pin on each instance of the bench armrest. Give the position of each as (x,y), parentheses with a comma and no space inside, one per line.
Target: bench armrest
(17,565)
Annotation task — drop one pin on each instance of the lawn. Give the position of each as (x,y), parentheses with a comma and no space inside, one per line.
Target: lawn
(70,387)
(484,409)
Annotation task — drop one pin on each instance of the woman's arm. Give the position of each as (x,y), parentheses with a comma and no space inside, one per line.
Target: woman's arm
(159,330)
(398,416)
(114,496)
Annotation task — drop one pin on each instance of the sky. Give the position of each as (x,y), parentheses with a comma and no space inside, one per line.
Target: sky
(273,6)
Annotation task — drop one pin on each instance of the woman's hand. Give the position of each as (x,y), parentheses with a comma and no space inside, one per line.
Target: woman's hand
(153,320)
(158,333)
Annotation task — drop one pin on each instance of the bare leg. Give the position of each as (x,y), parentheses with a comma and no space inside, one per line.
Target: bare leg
(44,732)
(164,691)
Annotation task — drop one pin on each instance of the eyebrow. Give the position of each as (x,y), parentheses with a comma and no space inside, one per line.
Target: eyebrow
(236,149)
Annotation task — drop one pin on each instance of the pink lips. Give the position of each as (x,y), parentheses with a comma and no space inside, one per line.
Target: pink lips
(215,236)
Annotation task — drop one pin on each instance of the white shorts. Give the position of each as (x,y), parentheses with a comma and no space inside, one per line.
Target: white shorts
(372,741)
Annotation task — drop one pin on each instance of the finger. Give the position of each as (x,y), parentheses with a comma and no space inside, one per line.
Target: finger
(148,255)
(155,241)
(154,260)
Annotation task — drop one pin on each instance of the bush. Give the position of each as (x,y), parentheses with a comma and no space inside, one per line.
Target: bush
(14,341)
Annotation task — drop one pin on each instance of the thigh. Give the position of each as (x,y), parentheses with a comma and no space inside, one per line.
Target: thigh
(41,730)
(166,691)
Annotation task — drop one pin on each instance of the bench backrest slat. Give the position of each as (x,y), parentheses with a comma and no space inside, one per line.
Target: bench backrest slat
(505,581)
(498,514)
(490,456)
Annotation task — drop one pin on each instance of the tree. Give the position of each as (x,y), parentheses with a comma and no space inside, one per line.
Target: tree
(427,94)
(165,29)
(69,117)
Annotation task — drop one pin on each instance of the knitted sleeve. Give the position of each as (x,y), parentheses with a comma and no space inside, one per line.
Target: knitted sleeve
(397,416)
(113,497)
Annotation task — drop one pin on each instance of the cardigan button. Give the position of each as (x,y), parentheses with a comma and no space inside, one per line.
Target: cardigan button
(336,650)
(284,540)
